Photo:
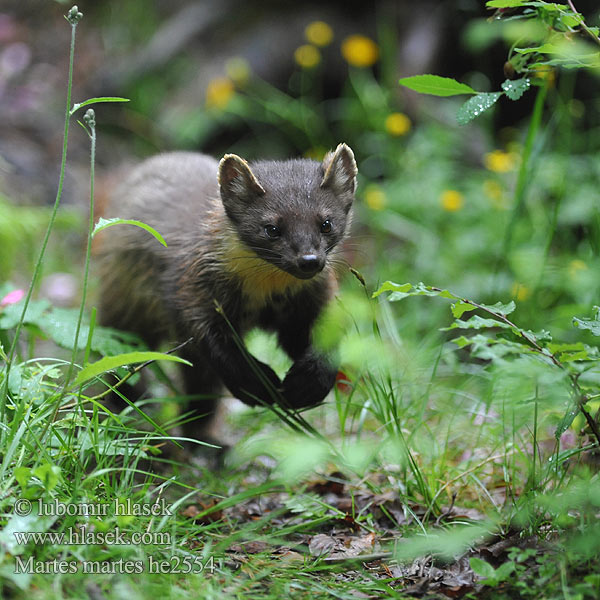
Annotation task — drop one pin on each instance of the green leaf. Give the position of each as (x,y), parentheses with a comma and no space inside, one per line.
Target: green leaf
(110,342)
(543,49)
(571,20)
(48,474)
(112,362)
(447,543)
(573,356)
(11,314)
(474,106)
(436,85)
(104,223)
(505,570)
(483,568)
(76,107)
(463,342)
(592,324)
(573,352)
(27,523)
(498,350)
(501,309)
(477,322)
(515,88)
(404,290)
(460,308)
(60,324)
(390,286)
(504,3)
(566,421)
(22,475)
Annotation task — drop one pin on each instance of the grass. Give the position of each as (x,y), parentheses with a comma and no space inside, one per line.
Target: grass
(458,458)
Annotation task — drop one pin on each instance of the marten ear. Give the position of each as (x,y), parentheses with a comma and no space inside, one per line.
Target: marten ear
(237,180)
(340,171)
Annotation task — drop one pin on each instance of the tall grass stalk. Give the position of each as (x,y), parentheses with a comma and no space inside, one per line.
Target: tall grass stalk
(73,16)
(90,121)
(525,168)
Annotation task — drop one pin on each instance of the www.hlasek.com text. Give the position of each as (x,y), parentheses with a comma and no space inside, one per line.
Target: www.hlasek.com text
(83,536)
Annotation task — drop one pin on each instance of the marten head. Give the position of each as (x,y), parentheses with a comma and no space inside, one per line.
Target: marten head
(291,213)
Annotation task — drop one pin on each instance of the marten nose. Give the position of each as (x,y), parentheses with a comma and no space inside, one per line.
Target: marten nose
(310,263)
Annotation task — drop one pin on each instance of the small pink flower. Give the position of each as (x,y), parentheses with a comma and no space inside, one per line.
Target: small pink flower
(12,298)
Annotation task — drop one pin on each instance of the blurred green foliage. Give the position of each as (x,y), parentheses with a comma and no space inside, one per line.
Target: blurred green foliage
(21,228)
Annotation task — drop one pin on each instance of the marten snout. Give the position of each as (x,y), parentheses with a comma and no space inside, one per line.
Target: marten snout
(310,264)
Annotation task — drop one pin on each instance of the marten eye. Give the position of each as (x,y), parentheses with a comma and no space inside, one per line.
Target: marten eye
(272,231)
(326,226)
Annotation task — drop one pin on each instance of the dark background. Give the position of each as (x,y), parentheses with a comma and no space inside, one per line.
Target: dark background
(162,55)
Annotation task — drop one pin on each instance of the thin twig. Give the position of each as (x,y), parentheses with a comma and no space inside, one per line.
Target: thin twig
(585,27)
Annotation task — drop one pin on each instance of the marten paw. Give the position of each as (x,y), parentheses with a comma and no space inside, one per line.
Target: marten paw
(257,389)
(308,381)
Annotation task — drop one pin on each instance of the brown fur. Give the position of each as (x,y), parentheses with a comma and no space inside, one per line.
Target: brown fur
(218,256)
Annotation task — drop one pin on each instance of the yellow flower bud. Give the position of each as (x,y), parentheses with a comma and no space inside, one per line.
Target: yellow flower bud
(307,56)
(219,92)
(397,124)
(319,33)
(375,197)
(360,51)
(452,200)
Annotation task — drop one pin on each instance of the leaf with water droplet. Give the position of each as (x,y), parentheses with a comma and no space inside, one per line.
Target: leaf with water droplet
(515,88)
(566,421)
(475,106)
(592,324)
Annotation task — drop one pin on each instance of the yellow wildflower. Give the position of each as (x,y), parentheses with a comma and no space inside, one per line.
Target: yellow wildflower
(318,33)
(500,161)
(452,200)
(520,292)
(238,70)
(307,56)
(397,124)
(494,191)
(575,266)
(219,92)
(545,72)
(375,197)
(360,51)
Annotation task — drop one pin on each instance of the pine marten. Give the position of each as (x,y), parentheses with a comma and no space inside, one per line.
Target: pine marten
(249,245)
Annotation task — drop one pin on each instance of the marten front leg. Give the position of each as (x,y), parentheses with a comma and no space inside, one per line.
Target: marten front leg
(312,376)
(309,380)
(247,378)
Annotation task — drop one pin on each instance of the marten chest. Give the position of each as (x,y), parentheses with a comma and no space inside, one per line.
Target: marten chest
(269,316)
(260,284)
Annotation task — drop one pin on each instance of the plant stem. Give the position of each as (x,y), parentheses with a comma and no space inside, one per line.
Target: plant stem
(523,177)
(585,27)
(38,266)
(90,120)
